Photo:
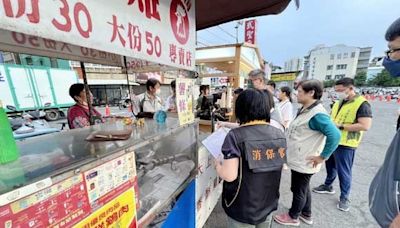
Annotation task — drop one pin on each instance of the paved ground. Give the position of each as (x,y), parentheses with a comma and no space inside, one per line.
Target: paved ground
(369,157)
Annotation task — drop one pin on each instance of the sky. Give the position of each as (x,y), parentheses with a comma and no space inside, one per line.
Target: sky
(294,32)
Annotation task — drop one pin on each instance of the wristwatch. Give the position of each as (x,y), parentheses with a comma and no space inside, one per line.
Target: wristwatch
(341,127)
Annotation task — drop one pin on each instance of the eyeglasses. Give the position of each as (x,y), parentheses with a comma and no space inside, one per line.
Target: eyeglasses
(391,51)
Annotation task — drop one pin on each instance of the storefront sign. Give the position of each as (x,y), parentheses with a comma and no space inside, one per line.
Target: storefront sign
(250,31)
(283,77)
(151,30)
(29,44)
(120,212)
(184,99)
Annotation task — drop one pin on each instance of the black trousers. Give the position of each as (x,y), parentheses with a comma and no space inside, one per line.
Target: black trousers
(301,195)
(398,123)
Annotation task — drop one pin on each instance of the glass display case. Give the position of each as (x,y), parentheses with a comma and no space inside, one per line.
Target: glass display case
(165,157)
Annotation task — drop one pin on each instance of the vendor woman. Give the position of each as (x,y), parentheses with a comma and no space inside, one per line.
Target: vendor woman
(78,114)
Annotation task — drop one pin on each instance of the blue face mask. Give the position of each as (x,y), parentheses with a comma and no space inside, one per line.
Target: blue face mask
(393,66)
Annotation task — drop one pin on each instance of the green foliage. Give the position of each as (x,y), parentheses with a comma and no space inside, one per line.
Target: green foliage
(384,79)
(329,83)
(361,78)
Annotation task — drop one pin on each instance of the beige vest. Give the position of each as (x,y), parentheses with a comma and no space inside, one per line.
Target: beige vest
(304,142)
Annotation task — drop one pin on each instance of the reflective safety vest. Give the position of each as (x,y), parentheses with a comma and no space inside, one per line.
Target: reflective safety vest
(347,114)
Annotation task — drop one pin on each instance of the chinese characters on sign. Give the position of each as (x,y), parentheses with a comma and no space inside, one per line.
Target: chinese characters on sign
(269,154)
(250,31)
(151,30)
(19,42)
(101,197)
(184,98)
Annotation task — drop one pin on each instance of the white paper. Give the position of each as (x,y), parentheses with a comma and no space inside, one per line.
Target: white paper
(214,142)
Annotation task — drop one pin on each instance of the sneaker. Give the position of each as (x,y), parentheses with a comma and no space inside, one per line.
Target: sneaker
(306,219)
(285,219)
(344,205)
(324,189)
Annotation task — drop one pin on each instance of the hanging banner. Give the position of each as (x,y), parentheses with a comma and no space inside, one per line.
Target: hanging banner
(151,30)
(29,44)
(184,100)
(250,31)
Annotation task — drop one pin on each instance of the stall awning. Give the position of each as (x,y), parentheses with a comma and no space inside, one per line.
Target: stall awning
(214,12)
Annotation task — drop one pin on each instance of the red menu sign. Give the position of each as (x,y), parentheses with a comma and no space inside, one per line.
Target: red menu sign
(60,205)
(250,31)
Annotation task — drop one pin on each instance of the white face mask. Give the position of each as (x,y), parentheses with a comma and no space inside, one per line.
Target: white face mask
(158,92)
(342,95)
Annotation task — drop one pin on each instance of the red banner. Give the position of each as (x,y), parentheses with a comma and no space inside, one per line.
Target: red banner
(250,31)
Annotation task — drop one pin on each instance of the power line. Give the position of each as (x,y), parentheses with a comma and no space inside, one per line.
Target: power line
(220,38)
(228,33)
(201,39)
(199,42)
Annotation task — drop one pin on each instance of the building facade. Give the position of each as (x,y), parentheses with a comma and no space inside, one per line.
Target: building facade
(375,67)
(294,64)
(336,62)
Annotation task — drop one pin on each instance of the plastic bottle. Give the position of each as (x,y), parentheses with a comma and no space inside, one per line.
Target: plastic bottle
(8,147)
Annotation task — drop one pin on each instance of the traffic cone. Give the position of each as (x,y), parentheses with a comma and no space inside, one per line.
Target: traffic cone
(398,100)
(388,98)
(108,112)
(381,98)
(373,97)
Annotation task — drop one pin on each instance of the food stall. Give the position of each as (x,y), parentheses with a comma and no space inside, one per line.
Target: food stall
(227,65)
(65,180)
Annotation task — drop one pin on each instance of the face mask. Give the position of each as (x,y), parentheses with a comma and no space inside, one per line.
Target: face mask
(158,92)
(342,95)
(250,84)
(393,66)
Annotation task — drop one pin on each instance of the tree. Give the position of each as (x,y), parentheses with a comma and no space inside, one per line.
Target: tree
(329,83)
(360,78)
(384,79)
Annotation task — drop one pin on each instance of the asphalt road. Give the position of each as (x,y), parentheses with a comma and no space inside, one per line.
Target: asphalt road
(369,157)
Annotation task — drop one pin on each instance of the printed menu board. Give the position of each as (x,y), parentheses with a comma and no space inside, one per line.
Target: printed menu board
(102,195)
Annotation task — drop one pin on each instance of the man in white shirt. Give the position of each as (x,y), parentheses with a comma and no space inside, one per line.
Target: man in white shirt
(150,102)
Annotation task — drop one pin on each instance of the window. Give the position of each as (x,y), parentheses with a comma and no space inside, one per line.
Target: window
(339,56)
(341,67)
(332,56)
(353,55)
(339,76)
(329,67)
(345,55)
(328,77)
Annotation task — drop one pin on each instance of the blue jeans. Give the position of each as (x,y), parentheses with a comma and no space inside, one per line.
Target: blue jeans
(340,164)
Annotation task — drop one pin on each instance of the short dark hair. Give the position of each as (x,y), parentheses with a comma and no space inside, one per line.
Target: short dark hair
(270,98)
(173,84)
(151,83)
(271,83)
(238,91)
(252,105)
(393,31)
(76,89)
(313,85)
(287,91)
(203,88)
(346,82)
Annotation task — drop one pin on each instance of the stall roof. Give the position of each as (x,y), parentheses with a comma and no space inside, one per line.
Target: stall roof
(239,9)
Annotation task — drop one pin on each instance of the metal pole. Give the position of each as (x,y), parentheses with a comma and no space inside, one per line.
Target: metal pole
(129,86)
(89,102)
